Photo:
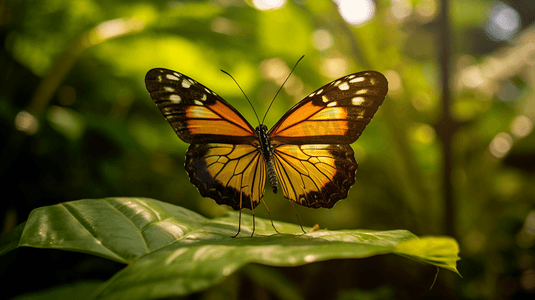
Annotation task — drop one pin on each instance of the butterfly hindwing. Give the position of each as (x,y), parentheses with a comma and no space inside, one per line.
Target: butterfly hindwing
(337,113)
(315,175)
(196,113)
(313,159)
(228,173)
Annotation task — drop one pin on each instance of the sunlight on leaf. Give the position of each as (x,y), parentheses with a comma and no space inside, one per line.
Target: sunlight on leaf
(173,251)
(443,251)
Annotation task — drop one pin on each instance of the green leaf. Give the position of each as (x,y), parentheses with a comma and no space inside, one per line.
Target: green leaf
(173,251)
(11,239)
(439,251)
(82,290)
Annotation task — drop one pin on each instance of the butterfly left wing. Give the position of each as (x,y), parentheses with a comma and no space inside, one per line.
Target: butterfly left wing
(234,175)
(223,160)
(196,113)
(313,159)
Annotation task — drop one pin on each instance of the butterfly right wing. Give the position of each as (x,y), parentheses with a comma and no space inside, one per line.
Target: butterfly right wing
(312,156)
(315,175)
(336,113)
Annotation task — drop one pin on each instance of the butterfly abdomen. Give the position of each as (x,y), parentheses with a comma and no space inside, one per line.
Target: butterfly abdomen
(272,175)
(267,151)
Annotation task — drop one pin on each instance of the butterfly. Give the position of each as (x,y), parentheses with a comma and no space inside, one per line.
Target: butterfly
(307,152)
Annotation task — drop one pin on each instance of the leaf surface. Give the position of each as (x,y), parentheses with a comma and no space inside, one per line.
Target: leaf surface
(173,251)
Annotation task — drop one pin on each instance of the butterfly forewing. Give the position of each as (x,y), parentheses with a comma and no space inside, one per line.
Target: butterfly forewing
(313,159)
(196,113)
(336,113)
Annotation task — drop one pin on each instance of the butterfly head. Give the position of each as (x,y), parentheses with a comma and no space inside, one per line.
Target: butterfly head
(261,130)
(263,138)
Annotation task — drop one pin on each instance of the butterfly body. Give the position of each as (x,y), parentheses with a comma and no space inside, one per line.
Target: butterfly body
(306,154)
(267,152)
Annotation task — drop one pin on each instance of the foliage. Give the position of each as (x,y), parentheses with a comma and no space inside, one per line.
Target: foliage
(173,251)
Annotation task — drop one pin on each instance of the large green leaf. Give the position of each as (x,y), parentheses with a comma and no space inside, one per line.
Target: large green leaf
(82,290)
(173,251)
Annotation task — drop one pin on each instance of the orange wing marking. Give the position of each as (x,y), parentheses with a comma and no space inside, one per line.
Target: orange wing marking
(215,118)
(315,120)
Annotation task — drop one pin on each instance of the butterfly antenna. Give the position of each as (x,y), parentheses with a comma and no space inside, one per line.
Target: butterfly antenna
(242,93)
(281,87)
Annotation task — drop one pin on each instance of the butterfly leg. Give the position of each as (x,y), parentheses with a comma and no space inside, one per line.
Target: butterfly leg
(295,211)
(252,209)
(239,220)
(239,225)
(269,213)
(253,224)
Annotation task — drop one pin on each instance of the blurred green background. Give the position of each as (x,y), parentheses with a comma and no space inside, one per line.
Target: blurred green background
(450,152)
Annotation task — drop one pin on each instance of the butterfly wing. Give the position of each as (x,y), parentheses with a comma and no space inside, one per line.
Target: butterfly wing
(228,173)
(196,113)
(312,156)
(336,113)
(223,160)
(315,175)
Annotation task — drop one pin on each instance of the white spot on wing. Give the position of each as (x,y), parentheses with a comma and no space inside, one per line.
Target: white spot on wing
(344,86)
(171,77)
(324,99)
(358,79)
(176,74)
(319,92)
(357,100)
(337,82)
(160,78)
(351,76)
(169,89)
(332,104)
(175,98)
(198,102)
(312,95)
(203,98)
(361,92)
(186,84)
